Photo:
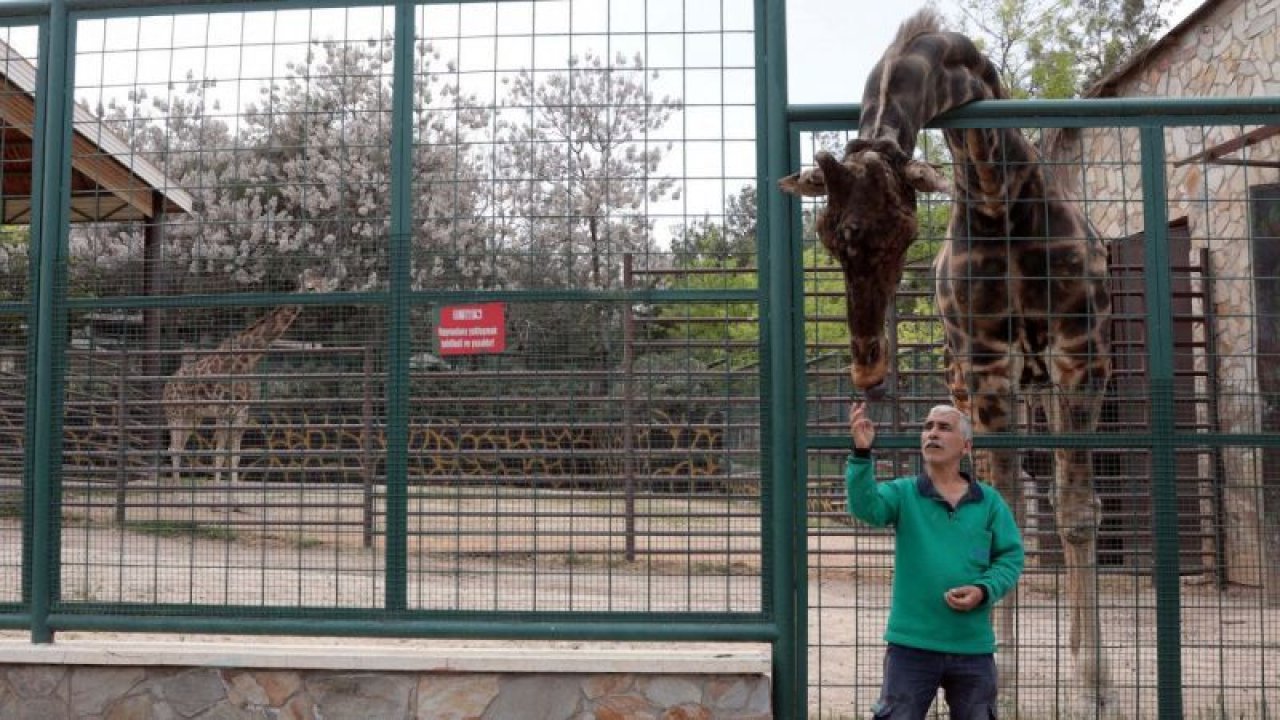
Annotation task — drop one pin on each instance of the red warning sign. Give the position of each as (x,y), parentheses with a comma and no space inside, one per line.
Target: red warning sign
(472,329)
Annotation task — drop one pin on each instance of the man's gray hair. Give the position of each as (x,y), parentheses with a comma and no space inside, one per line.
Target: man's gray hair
(966,427)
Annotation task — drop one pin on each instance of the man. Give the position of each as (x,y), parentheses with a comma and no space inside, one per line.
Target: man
(957,551)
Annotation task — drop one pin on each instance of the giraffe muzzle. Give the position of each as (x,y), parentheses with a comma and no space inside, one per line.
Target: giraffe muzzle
(870,368)
(879,391)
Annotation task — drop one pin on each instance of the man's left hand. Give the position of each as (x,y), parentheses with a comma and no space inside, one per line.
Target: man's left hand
(964,598)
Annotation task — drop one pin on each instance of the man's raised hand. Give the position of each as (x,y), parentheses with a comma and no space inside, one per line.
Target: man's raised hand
(861,428)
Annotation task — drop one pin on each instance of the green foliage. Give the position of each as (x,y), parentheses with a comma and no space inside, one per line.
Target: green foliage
(180,528)
(730,331)
(1011,33)
(11,504)
(1103,34)
(731,242)
(1060,48)
(1054,74)
(705,246)
(824,296)
(713,330)
(674,385)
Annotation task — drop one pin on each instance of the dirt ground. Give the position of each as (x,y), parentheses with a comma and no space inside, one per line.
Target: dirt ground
(501,552)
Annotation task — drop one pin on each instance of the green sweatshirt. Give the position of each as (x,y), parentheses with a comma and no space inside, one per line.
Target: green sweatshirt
(936,548)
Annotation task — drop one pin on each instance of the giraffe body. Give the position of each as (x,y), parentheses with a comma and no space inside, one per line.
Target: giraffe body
(1020,283)
(216,387)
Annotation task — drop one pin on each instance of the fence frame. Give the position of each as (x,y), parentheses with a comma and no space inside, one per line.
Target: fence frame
(782,620)
(48,308)
(1150,117)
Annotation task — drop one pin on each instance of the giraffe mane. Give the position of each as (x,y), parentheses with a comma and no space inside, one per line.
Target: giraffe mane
(924,22)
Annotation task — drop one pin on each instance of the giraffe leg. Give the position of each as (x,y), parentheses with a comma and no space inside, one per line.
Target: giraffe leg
(993,412)
(1074,408)
(956,381)
(1007,479)
(178,436)
(236,433)
(221,435)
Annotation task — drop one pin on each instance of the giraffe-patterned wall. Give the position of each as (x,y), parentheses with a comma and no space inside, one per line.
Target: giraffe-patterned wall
(298,443)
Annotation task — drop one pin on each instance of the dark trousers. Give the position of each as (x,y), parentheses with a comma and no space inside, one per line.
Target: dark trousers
(912,678)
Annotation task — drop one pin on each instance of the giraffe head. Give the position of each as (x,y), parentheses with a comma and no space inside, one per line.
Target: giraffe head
(867,225)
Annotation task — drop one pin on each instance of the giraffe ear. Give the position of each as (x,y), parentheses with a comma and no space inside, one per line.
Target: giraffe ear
(829,176)
(926,178)
(809,183)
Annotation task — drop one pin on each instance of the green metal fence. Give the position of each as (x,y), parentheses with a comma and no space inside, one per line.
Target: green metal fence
(460,320)
(365,319)
(1184,432)
(1179,458)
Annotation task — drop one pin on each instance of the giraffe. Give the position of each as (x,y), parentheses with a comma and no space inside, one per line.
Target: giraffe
(1020,285)
(211,386)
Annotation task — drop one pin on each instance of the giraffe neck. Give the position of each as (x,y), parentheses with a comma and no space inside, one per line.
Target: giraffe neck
(259,336)
(924,73)
(927,72)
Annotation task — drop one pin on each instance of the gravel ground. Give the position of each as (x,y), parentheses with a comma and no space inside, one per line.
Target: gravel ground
(565,554)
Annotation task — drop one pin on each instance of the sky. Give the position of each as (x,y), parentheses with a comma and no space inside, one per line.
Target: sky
(842,37)
(845,38)
(832,45)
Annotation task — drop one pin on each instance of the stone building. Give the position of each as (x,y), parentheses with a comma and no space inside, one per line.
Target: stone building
(1223,190)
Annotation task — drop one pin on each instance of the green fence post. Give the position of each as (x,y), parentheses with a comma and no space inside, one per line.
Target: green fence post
(781,304)
(398,315)
(50,317)
(1164,490)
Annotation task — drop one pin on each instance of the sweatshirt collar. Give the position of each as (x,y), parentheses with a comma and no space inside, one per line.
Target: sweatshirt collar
(925,487)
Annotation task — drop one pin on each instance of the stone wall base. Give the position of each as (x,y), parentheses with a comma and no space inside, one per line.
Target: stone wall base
(174,681)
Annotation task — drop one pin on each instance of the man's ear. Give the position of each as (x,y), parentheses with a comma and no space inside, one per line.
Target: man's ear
(926,178)
(809,183)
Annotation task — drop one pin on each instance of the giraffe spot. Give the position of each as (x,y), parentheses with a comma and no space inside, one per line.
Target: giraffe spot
(1080,347)
(983,352)
(1073,323)
(988,264)
(1035,336)
(982,298)
(991,415)
(1100,298)
(958,342)
(1034,373)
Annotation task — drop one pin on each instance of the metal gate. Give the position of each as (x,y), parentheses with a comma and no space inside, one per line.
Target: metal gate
(1181,425)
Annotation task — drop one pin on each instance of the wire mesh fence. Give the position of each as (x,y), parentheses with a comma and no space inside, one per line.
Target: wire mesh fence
(1221,224)
(478,326)
(636,483)
(235,402)
(16,163)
